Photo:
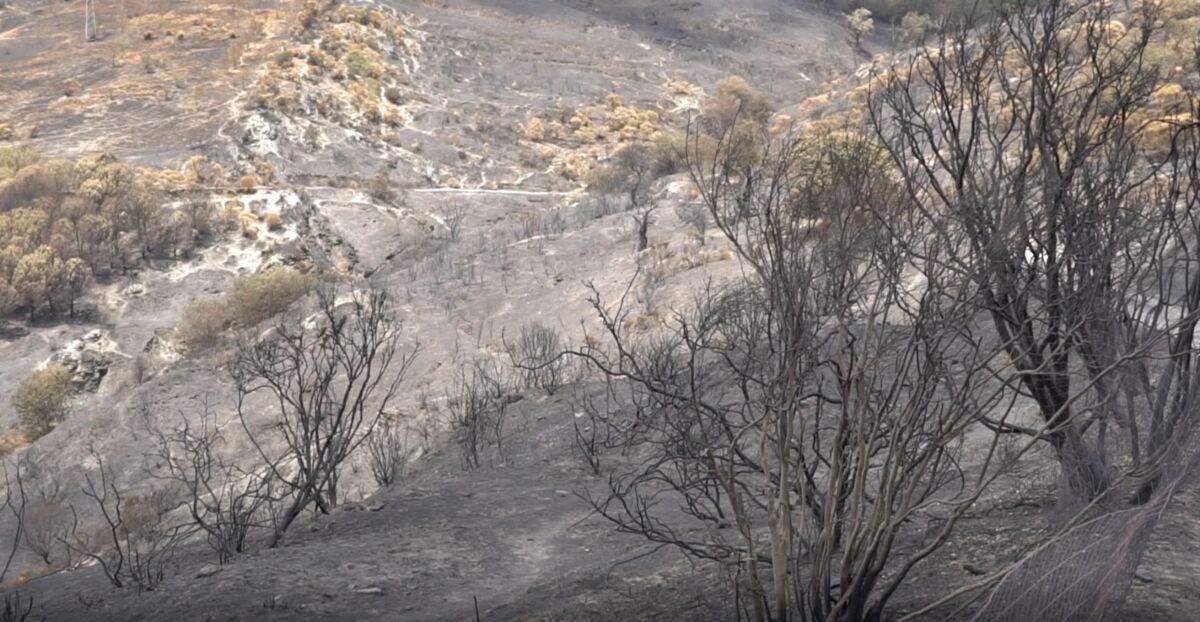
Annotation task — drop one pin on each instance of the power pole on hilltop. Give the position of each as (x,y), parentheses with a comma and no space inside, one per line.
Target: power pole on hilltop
(90,29)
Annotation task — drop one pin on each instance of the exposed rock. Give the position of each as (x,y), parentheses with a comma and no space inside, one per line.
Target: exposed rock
(162,347)
(88,359)
(1143,575)
(975,570)
(369,591)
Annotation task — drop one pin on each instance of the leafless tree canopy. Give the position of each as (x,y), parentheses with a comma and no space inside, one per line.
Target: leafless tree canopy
(223,500)
(1000,234)
(329,377)
(135,538)
(1024,143)
(802,417)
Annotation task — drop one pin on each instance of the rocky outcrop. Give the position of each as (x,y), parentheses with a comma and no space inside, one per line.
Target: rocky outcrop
(88,359)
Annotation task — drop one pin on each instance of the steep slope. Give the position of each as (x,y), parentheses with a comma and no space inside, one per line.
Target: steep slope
(447,116)
(487,116)
(512,539)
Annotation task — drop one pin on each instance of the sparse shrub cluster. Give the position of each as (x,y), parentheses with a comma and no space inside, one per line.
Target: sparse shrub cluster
(332,375)
(204,322)
(253,299)
(734,107)
(591,133)
(344,76)
(259,296)
(152,63)
(311,12)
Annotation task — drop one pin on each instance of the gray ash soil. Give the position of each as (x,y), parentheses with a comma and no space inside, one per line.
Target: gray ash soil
(512,536)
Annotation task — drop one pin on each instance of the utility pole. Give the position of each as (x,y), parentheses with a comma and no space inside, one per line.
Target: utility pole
(90,29)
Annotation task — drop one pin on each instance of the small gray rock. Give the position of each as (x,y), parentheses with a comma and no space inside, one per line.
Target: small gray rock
(973,569)
(369,591)
(208,570)
(1143,575)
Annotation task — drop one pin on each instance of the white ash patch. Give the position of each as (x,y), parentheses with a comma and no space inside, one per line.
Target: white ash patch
(262,135)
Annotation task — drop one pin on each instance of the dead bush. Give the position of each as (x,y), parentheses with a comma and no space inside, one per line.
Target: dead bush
(477,403)
(694,215)
(223,501)
(381,188)
(43,517)
(44,527)
(537,355)
(388,452)
(453,217)
(134,539)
